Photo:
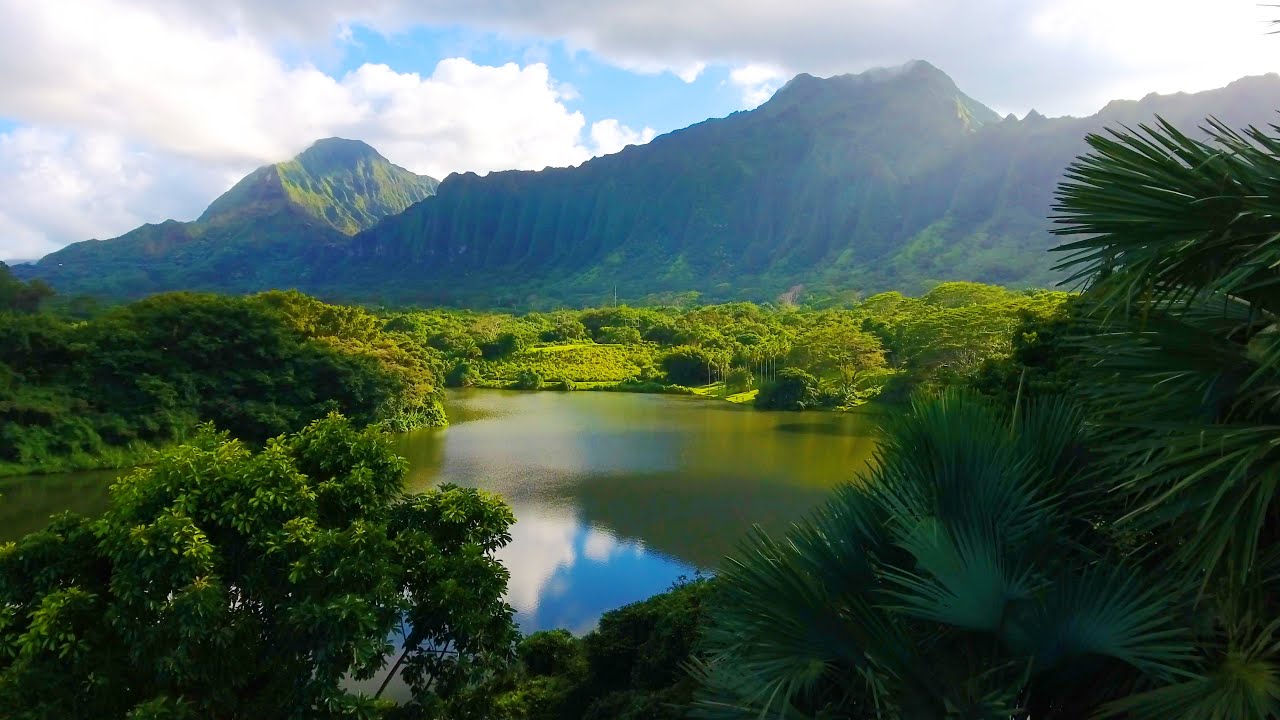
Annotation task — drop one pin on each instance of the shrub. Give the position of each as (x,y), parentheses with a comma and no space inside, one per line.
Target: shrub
(527,380)
(739,380)
(794,389)
(688,365)
(619,335)
(463,374)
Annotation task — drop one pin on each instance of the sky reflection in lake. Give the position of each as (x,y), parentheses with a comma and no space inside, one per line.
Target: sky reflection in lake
(616,496)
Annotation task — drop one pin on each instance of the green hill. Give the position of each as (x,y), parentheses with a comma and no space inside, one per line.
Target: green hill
(890,179)
(263,232)
(868,182)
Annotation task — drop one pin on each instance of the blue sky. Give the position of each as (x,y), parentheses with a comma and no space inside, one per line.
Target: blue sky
(659,100)
(118,112)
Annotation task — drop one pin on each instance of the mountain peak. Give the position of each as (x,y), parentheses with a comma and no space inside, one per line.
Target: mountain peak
(910,70)
(343,183)
(914,89)
(337,152)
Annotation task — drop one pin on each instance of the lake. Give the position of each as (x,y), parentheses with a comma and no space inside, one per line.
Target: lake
(616,495)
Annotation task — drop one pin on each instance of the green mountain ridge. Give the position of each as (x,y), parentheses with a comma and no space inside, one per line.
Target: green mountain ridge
(888,179)
(259,228)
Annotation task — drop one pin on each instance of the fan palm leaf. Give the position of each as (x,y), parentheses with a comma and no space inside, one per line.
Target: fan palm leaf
(936,586)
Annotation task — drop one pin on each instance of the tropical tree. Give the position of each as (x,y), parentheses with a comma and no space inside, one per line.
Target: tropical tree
(838,347)
(688,365)
(1178,249)
(1115,554)
(793,389)
(21,297)
(962,577)
(232,584)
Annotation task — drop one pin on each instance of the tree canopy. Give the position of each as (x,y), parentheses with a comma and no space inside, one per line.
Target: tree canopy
(228,583)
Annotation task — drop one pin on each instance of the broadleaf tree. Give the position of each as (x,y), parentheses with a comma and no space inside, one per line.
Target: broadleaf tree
(228,583)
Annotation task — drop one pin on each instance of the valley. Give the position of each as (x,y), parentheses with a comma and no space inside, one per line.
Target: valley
(790,413)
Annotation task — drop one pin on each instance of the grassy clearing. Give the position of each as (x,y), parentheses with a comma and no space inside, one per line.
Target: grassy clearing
(718,391)
(579,363)
(564,348)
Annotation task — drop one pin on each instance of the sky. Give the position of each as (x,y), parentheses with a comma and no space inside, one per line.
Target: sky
(114,113)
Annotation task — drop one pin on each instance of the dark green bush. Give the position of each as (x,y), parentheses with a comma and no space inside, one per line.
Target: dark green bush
(794,389)
(527,380)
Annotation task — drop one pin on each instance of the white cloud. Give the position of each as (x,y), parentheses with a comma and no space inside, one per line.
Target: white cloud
(114,93)
(56,185)
(203,87)
(757,82)
(1061,56)
(690,71)
(610,136)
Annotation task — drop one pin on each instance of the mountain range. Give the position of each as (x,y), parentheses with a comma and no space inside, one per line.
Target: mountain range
(888,179)
(254,235)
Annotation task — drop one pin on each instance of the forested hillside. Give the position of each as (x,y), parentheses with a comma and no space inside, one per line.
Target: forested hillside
(888,180)
(870,182)
(261,234)
(104,391)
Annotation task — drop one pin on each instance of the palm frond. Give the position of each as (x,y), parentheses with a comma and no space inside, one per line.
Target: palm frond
(1242,681)
(1103,611)
(961,578)
(1166,217)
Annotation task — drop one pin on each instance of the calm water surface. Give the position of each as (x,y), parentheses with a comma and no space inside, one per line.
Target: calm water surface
(616,495)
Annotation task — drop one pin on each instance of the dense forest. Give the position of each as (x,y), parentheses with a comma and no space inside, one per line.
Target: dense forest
(82,393)
(779,357)
(103,390)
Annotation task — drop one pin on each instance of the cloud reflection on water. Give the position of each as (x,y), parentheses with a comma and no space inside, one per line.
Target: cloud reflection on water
(566,573)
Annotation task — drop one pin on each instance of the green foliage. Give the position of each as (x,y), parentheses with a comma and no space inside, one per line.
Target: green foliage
(462,374)
(147,373)
(552,652)
(1045,359)
(1110,555)
(21,297)
(739,380)
(565,327)
(1176,242)
(887,343)
(793,389)
(631,667)
(688,365)
(960,577)
(576,363)
(620,336)
(227,583)
(502,346)
(527,380)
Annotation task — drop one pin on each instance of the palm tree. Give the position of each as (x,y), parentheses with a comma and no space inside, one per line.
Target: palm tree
(1180,251)
(963,577)
(1113,554)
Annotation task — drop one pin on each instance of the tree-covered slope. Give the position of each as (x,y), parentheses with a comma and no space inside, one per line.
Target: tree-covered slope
(891,179)
(263,232)
(740,206)
(873,181)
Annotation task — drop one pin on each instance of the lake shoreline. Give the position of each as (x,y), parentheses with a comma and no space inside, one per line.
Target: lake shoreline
(116,459)
(129,458)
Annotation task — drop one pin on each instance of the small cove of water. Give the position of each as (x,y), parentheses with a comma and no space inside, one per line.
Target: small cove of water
(615,495)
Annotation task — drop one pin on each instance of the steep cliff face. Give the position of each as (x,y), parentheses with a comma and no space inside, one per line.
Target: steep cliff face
(887,179)
(739,206)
